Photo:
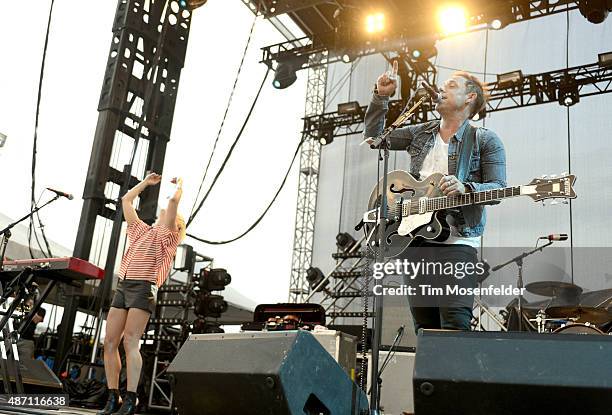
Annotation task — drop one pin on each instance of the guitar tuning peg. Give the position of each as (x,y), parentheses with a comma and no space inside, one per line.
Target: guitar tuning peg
(544,176)
(552,176)
(565,202)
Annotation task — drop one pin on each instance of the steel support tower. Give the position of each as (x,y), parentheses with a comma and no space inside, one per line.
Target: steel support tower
(310,157)
(136,109)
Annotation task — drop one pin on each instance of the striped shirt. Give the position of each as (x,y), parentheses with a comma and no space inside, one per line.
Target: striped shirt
(150,254)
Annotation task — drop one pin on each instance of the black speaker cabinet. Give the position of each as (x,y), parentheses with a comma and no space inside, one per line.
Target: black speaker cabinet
(279,373)
(492,373)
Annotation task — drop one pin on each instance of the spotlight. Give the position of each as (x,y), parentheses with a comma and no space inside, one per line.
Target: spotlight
(496,24)
(314,276)
(568,93)
(184,259)
(375,23)
(424,52)
(452,19)
(603,59)
(509,79)
(192,4)
(201,326)
(214,279)
(285,74)
(209,305)
(345,241)
(350,108)
(326,134)
(595,11)
(347,57)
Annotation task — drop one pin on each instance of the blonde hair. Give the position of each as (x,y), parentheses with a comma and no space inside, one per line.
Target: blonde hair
(182,228)
(473,84)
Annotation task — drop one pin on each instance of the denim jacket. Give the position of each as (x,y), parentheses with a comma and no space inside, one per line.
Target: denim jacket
(487,169)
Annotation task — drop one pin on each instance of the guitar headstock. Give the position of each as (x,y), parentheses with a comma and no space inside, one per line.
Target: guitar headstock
(552,187)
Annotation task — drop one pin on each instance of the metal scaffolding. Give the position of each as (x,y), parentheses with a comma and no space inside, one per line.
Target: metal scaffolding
(308,183)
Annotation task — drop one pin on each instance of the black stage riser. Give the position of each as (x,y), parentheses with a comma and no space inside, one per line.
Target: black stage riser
(263,373)
(512,373)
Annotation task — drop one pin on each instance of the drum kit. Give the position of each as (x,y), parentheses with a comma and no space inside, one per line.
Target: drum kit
(564,313)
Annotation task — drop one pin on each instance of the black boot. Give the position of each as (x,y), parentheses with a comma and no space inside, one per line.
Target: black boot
(129,405)
(112,404)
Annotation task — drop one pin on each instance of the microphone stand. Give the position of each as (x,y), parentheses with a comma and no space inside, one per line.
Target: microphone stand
(519,283)
(382,142)
(6,232)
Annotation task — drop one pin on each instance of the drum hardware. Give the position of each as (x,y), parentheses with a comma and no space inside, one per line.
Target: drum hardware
(578,328)
(554,289)
(591,315)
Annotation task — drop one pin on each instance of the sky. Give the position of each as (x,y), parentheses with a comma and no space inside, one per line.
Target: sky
(76,58)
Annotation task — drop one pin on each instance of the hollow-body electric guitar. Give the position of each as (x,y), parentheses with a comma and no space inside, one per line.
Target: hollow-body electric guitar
(418,208)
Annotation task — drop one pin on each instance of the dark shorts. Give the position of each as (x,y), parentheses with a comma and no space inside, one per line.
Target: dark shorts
(135,294)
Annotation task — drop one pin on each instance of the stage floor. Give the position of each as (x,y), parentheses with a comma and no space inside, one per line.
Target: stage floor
(64,411)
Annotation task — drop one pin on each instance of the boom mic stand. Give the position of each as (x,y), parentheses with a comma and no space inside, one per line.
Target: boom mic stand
(6,232)
(519,283)
(382,142)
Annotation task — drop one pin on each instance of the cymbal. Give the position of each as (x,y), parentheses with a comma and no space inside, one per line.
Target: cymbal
(583,314)
(553,288)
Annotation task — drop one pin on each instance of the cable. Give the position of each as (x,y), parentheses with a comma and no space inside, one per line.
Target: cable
(227,157)
(250,228)
(34,146)
(229,102)
(569,149)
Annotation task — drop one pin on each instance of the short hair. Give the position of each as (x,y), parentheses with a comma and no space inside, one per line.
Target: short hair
(473,84)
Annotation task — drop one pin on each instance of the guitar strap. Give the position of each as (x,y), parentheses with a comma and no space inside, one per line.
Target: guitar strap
(465,157)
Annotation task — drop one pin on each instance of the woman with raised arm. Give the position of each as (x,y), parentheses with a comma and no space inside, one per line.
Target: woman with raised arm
(144,268)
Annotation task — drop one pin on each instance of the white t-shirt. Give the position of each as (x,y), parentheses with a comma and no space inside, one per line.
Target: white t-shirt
(436,161)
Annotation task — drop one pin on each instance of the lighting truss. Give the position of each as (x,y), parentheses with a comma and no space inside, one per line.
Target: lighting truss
(318,43)
(543,88)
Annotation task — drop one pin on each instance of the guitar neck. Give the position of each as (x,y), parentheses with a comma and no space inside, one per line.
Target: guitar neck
(449,202)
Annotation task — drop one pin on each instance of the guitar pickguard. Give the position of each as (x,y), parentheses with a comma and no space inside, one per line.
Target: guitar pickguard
(412,222)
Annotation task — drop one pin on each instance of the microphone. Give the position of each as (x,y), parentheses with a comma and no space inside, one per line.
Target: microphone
(60,193)
(555,237)
(435,96)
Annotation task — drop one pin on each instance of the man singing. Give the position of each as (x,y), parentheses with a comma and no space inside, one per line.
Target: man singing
(436,147)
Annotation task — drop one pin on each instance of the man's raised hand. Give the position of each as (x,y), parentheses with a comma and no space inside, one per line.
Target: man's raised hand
(387,82)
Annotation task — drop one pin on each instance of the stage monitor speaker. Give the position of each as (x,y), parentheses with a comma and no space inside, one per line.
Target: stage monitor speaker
(279,373)
(493,373)
(36,377)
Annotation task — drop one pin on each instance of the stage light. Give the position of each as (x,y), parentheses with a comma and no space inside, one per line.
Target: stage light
(452,19)
(595,11)
(424,52)
(215,279)
(192,4)
(350,108)
(568,93)
(345,241)
(496,24)
(285,74)
(603,59)
(326,133)
(314,276)
(347,57)
(375,23)
(184,260)
(510,79)
(209,305)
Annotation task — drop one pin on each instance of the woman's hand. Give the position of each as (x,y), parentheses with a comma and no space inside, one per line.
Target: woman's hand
(179,188)
(152,179)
